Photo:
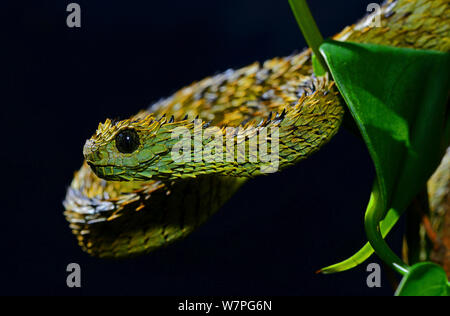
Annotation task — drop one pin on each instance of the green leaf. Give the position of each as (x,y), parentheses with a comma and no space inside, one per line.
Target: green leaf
(398,99)
(424,279)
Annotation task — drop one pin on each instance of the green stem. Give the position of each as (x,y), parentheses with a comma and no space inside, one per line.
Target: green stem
(374,214)
(311,33)
(362,255)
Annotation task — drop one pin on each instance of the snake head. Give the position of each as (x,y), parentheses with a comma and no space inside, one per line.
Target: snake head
(126,150)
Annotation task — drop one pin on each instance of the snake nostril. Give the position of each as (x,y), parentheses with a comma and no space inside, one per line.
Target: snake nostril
(91,152)
(87,149)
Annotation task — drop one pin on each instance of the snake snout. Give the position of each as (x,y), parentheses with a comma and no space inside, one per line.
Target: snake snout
(88,149)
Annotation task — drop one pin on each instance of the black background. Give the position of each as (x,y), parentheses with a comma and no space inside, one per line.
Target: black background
(270,237)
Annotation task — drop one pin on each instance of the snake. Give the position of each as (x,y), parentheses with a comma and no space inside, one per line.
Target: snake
(132,196)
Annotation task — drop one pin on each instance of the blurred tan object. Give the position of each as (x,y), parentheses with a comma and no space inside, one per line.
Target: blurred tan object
(439,195)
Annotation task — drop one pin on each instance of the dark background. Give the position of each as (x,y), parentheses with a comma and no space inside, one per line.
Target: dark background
(270,237)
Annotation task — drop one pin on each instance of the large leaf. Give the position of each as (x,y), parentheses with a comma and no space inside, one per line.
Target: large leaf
(398,99)
(424,279)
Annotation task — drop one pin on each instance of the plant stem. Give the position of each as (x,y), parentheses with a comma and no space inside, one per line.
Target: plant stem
(374,214)
(311,33)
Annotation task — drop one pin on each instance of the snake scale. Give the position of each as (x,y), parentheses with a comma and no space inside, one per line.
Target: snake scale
(130,197)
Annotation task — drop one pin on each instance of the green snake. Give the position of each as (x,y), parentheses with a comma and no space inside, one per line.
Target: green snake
(131,196)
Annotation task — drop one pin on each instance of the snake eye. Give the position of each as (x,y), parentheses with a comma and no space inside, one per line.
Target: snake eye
(127,141)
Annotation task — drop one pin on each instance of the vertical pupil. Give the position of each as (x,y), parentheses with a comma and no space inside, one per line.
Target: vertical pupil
(127,141)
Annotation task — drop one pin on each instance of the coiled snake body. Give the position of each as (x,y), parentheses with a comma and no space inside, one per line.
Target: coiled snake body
(130,196)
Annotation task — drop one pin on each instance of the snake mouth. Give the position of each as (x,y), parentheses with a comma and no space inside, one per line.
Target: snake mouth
(91,164)
(113,173)
(103,171)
